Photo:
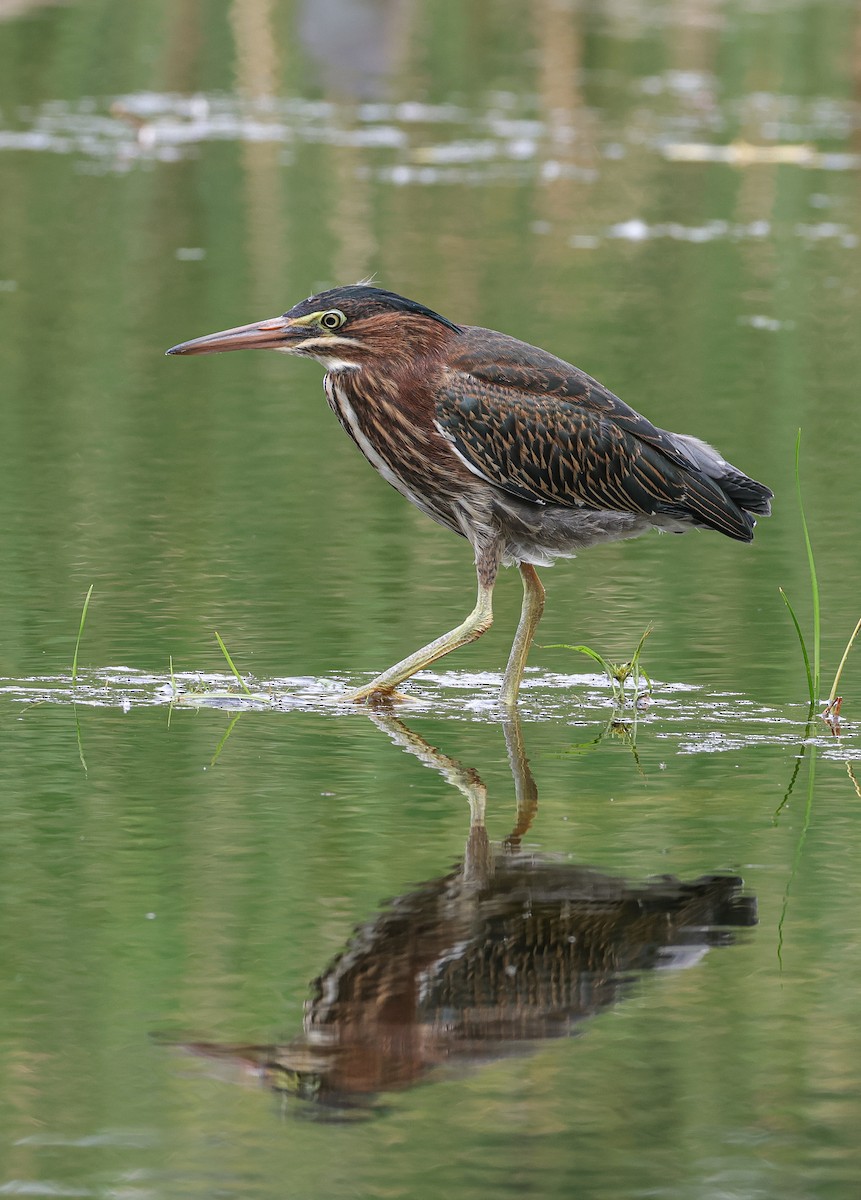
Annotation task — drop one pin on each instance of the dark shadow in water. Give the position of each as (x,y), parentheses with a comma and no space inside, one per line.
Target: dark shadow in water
(505,950)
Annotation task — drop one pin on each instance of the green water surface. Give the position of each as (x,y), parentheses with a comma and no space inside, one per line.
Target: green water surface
(666,194)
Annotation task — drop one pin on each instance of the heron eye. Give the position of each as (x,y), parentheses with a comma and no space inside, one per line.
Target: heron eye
(333,319)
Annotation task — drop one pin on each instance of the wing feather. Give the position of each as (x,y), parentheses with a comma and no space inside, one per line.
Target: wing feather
(546,432)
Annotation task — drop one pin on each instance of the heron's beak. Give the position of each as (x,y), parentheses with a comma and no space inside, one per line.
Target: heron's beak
(274,334)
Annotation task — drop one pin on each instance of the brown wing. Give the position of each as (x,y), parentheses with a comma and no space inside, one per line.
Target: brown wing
(545,431)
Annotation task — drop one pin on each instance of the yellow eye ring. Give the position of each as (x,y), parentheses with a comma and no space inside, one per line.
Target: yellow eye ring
(333,319)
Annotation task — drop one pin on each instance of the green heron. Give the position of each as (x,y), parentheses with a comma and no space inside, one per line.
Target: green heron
(520,452)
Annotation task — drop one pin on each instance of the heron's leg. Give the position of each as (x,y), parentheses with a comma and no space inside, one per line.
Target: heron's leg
(525,787)
(382,688)
(478,855)
(530,615)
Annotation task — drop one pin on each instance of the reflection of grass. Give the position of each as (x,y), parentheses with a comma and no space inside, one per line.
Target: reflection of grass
(223,741)
(616,727)
(813,672)
(799,848)
(617,673)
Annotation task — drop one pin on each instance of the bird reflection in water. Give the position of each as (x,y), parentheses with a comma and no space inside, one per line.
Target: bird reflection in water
(505,950)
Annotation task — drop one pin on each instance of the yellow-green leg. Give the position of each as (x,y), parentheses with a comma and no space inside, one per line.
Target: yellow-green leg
(530,615)
(382,689)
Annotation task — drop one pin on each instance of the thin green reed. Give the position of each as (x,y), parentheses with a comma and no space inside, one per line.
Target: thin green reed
(811,671)
(81,632)
(811,563)
(232,665)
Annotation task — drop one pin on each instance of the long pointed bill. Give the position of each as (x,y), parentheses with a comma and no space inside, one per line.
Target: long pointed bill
(273,334)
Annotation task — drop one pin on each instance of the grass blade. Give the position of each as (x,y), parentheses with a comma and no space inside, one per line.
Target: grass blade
(81,632)
(832,696)
(230,664)
(810,686)
(646,632)
(814,582)
(637,669)
(593,654)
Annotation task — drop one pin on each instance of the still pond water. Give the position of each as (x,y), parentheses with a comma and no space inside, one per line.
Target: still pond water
(265,947)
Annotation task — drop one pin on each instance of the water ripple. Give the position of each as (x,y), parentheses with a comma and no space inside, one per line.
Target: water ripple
(695,720)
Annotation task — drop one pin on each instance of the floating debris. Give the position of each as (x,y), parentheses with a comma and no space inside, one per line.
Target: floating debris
(746,154)
(637,230)
(759,321)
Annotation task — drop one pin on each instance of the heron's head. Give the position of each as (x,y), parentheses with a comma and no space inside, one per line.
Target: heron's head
(344,328)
